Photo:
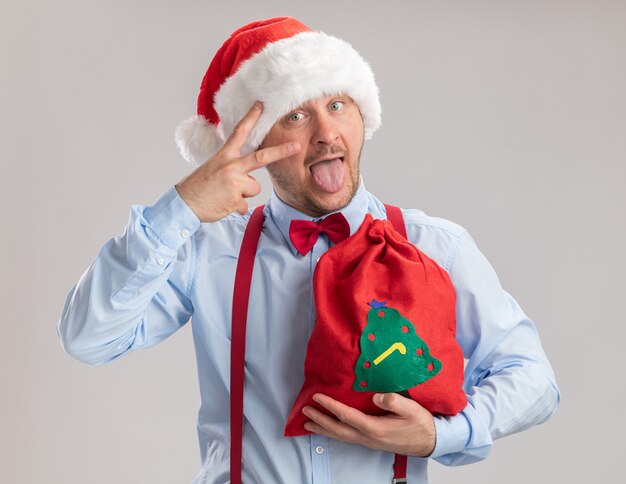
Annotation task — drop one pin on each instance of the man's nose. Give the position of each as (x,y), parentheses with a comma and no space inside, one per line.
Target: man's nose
(326,131)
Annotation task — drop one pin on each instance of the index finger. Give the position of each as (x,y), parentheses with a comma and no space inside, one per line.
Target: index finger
(269,155)
(243,128)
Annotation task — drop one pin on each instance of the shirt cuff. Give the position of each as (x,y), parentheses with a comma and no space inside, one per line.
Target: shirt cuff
(171,219)
(453,434)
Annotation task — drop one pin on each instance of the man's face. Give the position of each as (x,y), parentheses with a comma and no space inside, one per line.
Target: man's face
(324,175)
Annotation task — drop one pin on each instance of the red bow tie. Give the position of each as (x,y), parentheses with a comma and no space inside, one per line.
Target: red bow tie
(304,234)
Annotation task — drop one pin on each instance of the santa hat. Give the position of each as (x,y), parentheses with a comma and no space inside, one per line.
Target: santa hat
(282,63)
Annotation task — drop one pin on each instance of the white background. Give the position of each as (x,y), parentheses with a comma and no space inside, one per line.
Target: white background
(507,117)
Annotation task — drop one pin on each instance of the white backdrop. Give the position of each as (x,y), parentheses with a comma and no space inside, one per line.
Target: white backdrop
(507,117)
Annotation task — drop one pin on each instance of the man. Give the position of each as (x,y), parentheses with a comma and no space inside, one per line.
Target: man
(300,103)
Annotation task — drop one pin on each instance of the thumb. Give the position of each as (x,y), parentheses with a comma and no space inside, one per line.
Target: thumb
(393,402)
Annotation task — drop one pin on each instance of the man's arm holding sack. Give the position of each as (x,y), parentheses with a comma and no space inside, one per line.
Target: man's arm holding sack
(509,383)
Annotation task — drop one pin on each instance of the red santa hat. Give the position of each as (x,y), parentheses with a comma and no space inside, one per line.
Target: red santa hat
(282,63)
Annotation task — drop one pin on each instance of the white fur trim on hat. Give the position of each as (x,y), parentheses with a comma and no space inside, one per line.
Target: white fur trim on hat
(290,72)
(284,75)
(198,140)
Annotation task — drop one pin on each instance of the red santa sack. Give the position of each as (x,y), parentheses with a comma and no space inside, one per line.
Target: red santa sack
(385,323)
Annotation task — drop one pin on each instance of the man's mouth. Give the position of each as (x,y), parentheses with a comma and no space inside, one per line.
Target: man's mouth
(329,174)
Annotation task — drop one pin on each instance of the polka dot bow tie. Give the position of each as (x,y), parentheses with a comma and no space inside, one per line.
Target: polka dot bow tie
(304,233)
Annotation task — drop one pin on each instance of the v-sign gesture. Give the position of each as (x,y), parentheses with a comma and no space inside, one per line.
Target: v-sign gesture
(221,185)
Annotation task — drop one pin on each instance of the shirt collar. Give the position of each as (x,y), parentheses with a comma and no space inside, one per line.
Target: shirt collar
(282,214)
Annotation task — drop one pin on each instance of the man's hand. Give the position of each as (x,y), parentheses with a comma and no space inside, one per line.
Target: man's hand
(407,429)
(220,185)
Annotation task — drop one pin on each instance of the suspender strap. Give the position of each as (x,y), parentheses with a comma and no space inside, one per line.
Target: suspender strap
(241,296)
(399,469)
(394,215)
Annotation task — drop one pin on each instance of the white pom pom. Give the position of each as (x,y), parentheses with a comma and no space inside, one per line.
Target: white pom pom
(198,140)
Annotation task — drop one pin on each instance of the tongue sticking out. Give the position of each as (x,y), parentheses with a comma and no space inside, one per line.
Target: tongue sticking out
(329,175)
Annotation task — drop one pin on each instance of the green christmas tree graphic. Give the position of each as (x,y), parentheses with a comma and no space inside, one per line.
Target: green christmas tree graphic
(393,357)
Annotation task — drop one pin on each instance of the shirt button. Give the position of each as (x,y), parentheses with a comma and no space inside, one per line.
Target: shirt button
(161,261)
(319,449)
(185,233)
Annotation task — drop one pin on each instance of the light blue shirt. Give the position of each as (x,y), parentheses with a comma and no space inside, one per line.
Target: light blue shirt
(168,267)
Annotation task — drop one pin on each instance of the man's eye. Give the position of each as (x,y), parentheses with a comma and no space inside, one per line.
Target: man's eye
(295,116)
(336,106)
